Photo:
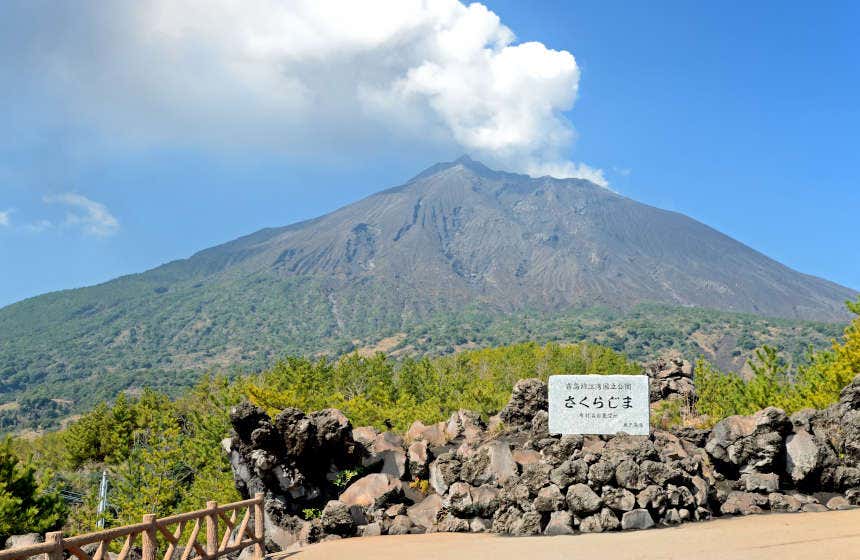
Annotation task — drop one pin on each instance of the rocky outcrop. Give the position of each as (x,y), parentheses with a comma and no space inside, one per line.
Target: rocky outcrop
(671,377)
(518,479)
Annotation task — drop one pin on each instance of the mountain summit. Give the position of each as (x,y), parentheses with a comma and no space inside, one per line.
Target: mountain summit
(460,233)
(459,245)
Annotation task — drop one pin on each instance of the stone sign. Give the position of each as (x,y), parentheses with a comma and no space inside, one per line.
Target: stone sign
(599,404)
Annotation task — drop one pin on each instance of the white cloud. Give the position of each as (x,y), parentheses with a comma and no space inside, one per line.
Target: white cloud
(92,217)
(307,76)
(5,220)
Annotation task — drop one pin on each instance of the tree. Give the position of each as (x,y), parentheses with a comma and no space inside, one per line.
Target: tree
(120,430)
(84,437)
(152,478)
(820,382)
(26,506)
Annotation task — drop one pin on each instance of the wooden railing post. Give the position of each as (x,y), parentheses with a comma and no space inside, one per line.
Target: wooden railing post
(212,529)
(56,553)
(259,527)
(148,538)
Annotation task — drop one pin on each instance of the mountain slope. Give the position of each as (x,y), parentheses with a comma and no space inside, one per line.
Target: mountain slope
(456,243)
(461,232)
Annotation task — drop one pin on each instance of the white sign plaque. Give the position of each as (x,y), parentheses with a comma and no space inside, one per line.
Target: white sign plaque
(599,404)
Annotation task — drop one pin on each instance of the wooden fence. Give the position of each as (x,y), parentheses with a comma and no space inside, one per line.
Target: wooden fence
(205,541)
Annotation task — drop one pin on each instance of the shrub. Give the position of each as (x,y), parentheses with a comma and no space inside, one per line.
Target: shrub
(26,504)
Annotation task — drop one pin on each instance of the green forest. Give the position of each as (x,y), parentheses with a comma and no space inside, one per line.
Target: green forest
(164,455)
(50,372)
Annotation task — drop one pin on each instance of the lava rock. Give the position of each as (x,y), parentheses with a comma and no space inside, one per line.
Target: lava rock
(375,490)
(560,523)
(581,499)
(637,519)
(751,443)
(336,518)
(529,396)
(424,513)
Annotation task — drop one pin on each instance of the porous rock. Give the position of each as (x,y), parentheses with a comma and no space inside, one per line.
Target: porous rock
(528,397)
(519,480)
(444,471)
(337,519)
(581,499)
(549,498)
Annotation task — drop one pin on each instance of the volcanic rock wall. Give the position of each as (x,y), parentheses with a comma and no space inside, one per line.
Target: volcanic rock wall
(324,479)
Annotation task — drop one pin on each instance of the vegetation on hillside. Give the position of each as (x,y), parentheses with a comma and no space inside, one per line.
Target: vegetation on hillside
(813,384)
(128,340)
(164,455)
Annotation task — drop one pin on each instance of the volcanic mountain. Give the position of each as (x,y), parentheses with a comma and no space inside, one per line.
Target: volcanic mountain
(460,232)
(457,236)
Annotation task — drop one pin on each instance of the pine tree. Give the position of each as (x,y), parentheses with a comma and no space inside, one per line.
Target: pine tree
(26,505)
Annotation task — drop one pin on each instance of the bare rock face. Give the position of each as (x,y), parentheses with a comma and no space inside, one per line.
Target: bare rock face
(760,482)
(618,499)
(400,525)
(492,462)
(246,418)
(837,430)
(444,471)
(365,435)
(549,499)
(781,502)
(386,441)
(604,520)
(394,463)
(517,479)
(838,503)
(464,424)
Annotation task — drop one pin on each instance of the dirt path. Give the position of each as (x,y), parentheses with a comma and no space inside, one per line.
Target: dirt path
(831,535)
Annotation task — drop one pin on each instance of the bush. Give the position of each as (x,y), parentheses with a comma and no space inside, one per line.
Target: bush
(26,504)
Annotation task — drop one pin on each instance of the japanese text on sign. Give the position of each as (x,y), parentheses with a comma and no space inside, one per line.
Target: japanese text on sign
(599,404)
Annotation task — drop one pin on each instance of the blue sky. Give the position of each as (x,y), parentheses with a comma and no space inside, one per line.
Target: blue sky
(120,155)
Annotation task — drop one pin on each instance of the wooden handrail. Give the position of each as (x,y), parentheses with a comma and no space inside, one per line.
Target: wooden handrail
(237,536)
